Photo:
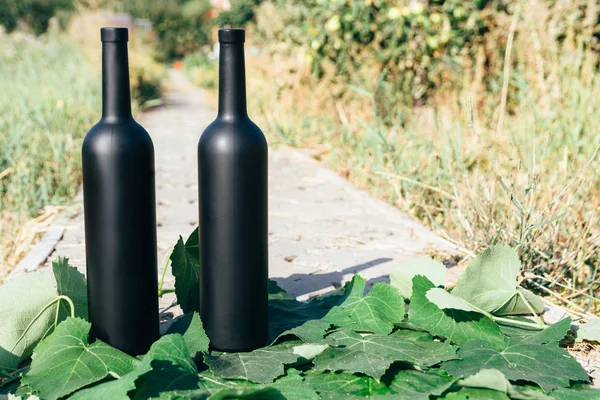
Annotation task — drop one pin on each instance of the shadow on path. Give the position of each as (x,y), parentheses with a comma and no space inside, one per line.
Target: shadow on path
(302,284)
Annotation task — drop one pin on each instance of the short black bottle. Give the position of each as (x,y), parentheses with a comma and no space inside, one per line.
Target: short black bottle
(120,213)
(233,232)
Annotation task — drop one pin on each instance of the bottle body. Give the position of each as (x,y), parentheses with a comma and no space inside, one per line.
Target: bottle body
(233,221)
(120,218)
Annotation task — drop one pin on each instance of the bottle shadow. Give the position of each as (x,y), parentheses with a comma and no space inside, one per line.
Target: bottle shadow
(304,285)
(288,316)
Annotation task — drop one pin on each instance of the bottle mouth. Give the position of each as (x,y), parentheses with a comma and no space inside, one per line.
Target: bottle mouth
(114,34)
(232,35)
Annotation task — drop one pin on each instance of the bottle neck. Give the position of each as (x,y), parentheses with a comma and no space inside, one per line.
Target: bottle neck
(116,101)
(232,81)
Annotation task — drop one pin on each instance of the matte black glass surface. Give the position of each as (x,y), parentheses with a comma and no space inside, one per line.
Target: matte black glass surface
(232,171)
(120,213)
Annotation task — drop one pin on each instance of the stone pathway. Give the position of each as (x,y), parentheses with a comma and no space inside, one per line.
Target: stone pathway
(322,230)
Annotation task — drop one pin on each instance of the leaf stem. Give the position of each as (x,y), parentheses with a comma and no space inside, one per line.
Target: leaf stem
(531,310)
(507,321)
(70,302)
(57,299)
(164,273)
(10,380)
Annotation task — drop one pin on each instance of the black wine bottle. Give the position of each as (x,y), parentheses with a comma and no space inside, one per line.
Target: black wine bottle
(233,236)
(120,213)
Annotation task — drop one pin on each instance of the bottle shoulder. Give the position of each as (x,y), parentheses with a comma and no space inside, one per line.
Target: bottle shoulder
(241,131)
(117,135)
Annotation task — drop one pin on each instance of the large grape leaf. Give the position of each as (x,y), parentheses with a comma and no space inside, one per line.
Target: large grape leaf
(27,314)
(166,367)
(251,393)
(172,368)
(331,386)
(185,265)
(475,393)
(373,354)
(29,309)
(287,316)
(489,283)
(290,387)
(402,275)
(415,385)
(376,312)
(551,335)
(549,367)
(457,325)
(190,327)
(576,392)
(495,380)
(262,365)
(71,283)
(65,361)
(589,331)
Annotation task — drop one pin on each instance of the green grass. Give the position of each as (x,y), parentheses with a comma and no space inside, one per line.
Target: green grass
(50,98)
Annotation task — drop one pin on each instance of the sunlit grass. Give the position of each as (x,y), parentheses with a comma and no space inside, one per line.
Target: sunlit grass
(50,98)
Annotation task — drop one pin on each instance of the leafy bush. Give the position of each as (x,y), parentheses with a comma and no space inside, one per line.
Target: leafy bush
(179,25)
(201,70)
(35,13)
(418,47)
(240,14)
(145,73)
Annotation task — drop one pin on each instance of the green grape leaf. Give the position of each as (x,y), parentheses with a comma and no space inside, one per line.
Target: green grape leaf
(166,366)
(457,325)
(376,312)
(29,309)
(402,275)
(490,283)
(256,393)
(495,380)
(547,366)
(290,387)
(190,327)
(415,385)
(65,361)
(172,368)
(287,316)
(576,392)
(117,389)
(261,366)
(373,354)
(550,336)
(185,264)
(332,386)
(71,283)
(474,393)
(589,331)
(28,313)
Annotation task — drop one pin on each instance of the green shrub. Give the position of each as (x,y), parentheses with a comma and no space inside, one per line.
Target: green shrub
(240,14)
(201,70)
(179,24)
(418,47)
(35,13)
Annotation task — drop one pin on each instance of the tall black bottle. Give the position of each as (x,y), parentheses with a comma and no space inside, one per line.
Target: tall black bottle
(233,236)
(120,212)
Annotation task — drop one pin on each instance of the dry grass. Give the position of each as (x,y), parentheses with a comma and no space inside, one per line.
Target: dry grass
(530,181)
